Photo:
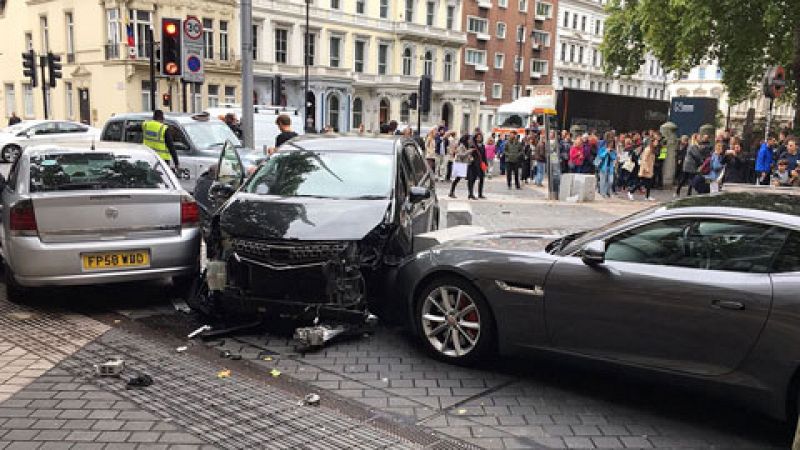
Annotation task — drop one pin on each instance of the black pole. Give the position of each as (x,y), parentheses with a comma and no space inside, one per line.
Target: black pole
(305,63)
(151,51)
(728,117)
(43,64)
(183,96)
(518,68)
(419,109)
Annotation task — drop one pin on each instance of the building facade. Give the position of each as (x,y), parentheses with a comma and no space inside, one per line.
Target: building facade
(509,49)
(578,62)
(366,58)
(104,51)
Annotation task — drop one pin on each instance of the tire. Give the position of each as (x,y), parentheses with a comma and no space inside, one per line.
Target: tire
(10,153)
(15,293)
(459,329)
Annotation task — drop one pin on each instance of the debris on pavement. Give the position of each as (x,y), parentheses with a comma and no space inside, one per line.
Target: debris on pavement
(181,349)
(316,336)
(275,373)
(309,400)
(181,306)
(196,332)
(139,381)
(208,334)
(112,367)
(224,373)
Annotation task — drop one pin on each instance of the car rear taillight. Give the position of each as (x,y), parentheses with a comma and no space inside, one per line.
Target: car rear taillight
(22,218)
(190,212)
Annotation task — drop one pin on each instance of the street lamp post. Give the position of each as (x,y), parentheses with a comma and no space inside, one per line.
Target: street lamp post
(247,72)
(305,64)
(518,61)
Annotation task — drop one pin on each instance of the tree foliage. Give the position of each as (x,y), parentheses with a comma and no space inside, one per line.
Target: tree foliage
(744,36)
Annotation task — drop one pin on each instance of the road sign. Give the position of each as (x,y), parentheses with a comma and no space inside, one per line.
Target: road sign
(193,67)
(775,82)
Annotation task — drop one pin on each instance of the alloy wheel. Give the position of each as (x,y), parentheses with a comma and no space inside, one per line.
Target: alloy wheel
(451,321)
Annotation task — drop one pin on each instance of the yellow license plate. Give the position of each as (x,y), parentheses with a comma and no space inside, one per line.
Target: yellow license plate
(115,260)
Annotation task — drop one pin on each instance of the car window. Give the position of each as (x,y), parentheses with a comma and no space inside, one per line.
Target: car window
(95,171)
(13,175)
(133,131)
(45,129)
(418,166)
(712,244)
(68,127)
(788,260)
(178,137)
(113,131)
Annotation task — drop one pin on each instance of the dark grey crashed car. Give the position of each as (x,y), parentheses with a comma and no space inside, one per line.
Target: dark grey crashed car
(704,288)
(318,229)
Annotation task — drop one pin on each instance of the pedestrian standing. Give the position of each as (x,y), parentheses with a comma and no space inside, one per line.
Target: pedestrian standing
(691,162)
(714,177)
(452,147)
(790,155)
(513,155)
(564,145)
(461,160)
(525,162)
(490,155)
(576,156)
(430,150)
(735,165)
(284,123)
(501,153)
(157,136)
(647,162)
(540,159)
(764,161)
(606,162)
(477,167)
(14,119)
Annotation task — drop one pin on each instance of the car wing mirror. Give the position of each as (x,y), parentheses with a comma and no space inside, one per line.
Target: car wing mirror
(594,253)
(419,193)
(30,133)
(220,192)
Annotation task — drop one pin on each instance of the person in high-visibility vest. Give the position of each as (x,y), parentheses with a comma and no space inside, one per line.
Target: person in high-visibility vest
(658,178)
(155,134)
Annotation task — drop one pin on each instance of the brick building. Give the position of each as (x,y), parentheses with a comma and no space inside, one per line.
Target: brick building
(509,49)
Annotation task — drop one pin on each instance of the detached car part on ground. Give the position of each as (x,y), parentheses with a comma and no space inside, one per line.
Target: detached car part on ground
(318,230)
(702,292)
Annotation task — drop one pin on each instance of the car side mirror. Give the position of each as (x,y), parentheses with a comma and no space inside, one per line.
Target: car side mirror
(30,133)
(418,194)
(221,192)
(594,253)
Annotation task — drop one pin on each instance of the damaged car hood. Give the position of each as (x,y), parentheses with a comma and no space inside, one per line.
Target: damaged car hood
(319,219)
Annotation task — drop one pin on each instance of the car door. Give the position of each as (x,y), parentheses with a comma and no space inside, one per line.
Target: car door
(421,214)
(189,170)
(40,134)
(683,294)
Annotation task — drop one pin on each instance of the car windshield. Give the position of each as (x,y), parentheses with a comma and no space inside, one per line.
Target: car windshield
(95,171)
(327,175)
(210,135)
(22,126)
(571,243)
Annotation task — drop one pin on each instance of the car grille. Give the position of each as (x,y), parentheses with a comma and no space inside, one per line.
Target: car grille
(288,252)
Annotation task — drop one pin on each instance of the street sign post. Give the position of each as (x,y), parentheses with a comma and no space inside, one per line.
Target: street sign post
(193,68)
(774,86)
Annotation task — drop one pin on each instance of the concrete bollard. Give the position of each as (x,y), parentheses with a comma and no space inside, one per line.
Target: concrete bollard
(458,213)
(577,187)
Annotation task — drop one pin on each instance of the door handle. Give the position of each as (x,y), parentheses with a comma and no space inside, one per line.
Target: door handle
(727,304)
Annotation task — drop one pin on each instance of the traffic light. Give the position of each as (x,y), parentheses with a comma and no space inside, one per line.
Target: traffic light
(54,68)
(425,90)
(166,100)
(29,66)
(277,90)
(171,47)
(412,101)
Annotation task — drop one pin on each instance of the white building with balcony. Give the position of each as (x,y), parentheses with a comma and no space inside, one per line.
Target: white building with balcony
(578,62)
(365,59)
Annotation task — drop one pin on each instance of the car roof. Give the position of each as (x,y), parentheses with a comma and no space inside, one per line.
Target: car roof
(783,206)
(181,118)
(84,147)
(354,144)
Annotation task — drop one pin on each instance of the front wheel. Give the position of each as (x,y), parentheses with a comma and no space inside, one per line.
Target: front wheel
(454,321)
(15,293)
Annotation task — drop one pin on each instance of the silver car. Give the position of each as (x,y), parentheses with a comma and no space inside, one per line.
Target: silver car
(14,139)
(75,216)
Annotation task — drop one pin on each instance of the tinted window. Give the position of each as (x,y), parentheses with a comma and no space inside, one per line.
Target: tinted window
(45,129)
(329,175)
(417,162)
(95,171)
(67,127)
(113,132)
(789,258)
(210,135)
(703,244)
(133,131)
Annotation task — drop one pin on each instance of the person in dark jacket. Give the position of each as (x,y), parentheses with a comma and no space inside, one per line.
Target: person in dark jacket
(14,119)
(475,169)
(695,157)
(735,165)
(525,164)
(513,155)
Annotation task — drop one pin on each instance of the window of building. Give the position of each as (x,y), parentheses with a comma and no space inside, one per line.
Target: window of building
(594,57)
(580,55)
(560,81)
(335,4)
(563,51)
(578,83)
(475,57)
(451,15)
(516,92)
(497,91)
(335,50)
(591,85)
(518,64)
(477,24)
(448,66)
(408,61)
(223,40)
(256,48)
(501,30)
(145,95)
(213,95)
(523,5)
(701,73)
(358,112)
(502,3)
(141,21)
(69,100)
(572,53)
(499,60)
(333,112)
(649,93)
(70,26)
(383,58)
(359,55)
(520,33)
(575,21)
(361,7)
(230,95)
(566,19)
(597,26)
(11,99)
(430,13)
(281,45)
(384,9)
(405,112)
(544,9)
(112,33)
(428,63)
(583,23)
(541,37)
(539,66)
(628,89)
(409,10)
(45,29)
(208,38)
(310,41)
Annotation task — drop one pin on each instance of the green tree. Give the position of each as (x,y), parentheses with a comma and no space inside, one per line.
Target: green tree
(745,36)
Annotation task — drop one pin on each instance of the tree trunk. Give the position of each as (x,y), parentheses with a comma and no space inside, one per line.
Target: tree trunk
(795,74)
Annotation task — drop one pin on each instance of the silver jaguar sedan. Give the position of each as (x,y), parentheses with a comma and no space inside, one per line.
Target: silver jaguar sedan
(76,215)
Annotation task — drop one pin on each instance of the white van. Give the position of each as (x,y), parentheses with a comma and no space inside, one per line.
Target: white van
(264,117)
